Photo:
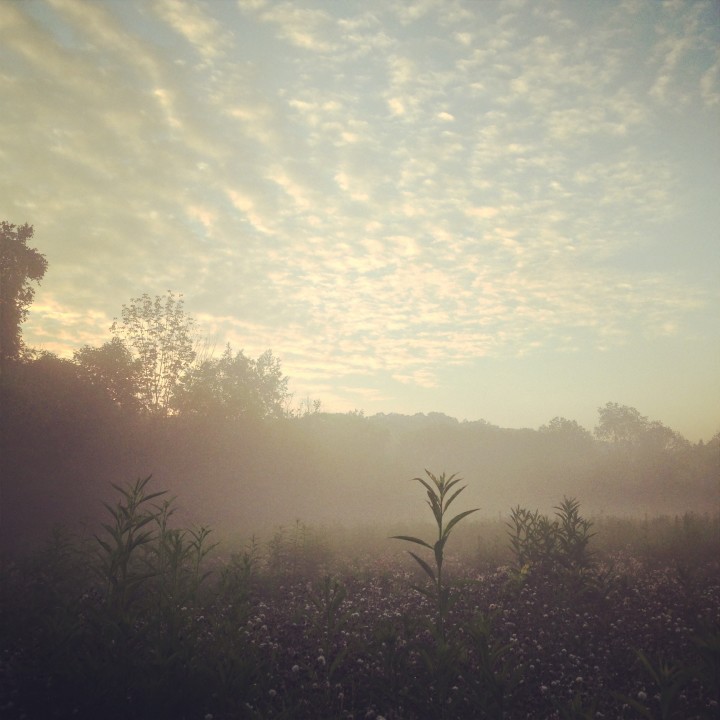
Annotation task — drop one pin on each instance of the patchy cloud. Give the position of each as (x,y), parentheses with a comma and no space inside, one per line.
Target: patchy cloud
(378,192)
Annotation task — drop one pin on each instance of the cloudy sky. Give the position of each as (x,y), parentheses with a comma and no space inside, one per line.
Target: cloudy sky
(493,209)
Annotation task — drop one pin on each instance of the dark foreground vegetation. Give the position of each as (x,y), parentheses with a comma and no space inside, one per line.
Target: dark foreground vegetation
(532,616)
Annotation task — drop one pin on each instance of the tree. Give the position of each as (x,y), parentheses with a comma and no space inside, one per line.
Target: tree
(567,428)
(160,334)
(112,368)
(19,265)
(272,389)
(621,425)
(235,386)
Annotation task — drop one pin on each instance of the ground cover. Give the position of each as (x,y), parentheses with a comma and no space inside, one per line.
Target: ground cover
(131,625)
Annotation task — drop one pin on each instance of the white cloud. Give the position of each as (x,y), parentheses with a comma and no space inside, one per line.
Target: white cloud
(367,196)
(202,31)
(396,105)
(305,28)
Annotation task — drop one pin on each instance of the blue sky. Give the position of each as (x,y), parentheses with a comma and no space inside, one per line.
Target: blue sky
(501,210)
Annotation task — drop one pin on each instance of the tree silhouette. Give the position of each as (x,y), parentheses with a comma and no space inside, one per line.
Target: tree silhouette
(160,333)
(111,367)
(235,386)
(19,265)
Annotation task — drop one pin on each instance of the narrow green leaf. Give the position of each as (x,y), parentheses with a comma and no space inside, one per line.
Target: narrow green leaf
(457,519)
(104,545)
(153,495)
(452,481)
(437,512)
(143,521)
(454,495)
(413,540)
(429,488)
(424,566)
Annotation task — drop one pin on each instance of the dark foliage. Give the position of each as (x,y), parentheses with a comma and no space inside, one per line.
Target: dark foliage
(19,266)
(132,624)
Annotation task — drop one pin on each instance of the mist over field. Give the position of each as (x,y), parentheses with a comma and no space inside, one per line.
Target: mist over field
(63,450)
(359,360)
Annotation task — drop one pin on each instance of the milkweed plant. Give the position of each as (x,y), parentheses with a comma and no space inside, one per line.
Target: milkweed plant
(439,499)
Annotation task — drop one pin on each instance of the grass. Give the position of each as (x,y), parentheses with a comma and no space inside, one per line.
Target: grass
(620,619)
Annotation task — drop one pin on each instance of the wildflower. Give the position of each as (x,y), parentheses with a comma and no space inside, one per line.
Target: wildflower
(321,660)
(272,692)
(642,696)
(296,668)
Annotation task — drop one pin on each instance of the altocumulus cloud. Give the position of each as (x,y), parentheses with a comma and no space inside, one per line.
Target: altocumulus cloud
(374,190)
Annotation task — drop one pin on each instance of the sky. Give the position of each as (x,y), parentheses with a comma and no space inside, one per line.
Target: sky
(493,209)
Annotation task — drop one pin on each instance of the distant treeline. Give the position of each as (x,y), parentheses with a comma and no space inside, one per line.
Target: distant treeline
(64,439)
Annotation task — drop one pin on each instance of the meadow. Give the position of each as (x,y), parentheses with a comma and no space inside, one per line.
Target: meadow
(527,615)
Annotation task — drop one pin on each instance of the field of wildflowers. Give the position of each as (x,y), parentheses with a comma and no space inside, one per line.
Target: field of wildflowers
(147,621)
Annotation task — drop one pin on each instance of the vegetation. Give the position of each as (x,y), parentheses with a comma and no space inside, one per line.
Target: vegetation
(19,266)
(160,333)
(149,400)
(304,609)
(558,547)
(146,619)
(438,501)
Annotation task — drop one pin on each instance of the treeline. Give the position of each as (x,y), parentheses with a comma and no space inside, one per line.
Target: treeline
(64,442)
(222,434)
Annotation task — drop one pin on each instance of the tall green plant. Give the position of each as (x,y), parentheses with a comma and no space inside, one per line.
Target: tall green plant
(439,500)
(176,557)
(668,680)
(558,546)
(573,536)
(127,533)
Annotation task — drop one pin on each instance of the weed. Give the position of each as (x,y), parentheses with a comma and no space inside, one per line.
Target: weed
(258,644)
(119,566)
(439,502)
(556,547)
(668,681)
(328,599)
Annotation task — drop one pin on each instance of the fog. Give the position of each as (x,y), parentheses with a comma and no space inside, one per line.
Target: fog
(62,450)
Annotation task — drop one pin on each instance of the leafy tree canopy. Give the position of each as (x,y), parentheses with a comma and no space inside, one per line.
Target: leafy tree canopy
(235,386)
(19,265)
(566,427)
(620,424)
(112,368)
(625,427)
(159,334)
